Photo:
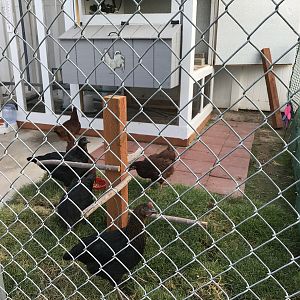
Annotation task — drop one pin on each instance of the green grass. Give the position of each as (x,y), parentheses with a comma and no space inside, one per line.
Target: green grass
(237,247)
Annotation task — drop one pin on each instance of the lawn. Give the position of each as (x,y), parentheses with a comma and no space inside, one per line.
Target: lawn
(245,253)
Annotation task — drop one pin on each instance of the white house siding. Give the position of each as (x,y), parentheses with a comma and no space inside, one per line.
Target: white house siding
(227,91)
(266,27)
(267,30)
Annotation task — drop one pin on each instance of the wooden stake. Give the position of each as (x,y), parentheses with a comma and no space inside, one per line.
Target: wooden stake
(178,220)
(114,121)
(272,89)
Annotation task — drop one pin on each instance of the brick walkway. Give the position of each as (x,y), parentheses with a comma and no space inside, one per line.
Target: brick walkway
(199,162)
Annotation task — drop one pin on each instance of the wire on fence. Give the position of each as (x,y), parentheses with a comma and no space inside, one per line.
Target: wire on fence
(186,190)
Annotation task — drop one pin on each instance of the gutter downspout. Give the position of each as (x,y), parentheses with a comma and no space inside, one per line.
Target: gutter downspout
(24,43)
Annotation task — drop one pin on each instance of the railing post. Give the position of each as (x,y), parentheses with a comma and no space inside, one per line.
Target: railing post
(114,121)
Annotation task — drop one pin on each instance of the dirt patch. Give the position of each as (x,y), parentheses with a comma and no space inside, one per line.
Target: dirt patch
(241,116)
(271,164)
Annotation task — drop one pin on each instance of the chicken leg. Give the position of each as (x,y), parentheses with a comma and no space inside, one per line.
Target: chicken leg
(161,184)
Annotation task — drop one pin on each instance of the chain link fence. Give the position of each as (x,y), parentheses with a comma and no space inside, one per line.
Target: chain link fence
(199,203)
(293,96)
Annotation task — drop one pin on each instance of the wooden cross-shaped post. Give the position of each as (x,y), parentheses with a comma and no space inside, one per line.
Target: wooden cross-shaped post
(114,121)
(272,89)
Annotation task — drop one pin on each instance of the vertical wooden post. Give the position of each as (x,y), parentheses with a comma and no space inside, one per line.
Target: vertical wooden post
(114,121)
(272,89)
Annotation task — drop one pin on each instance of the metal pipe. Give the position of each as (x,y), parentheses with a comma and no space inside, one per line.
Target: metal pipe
(3,295)
(24,42)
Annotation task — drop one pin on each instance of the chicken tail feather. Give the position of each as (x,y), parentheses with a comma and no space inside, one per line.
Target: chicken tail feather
(74,115)
(31,159)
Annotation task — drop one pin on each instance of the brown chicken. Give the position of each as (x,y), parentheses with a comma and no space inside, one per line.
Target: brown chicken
(69,129)
(156,167)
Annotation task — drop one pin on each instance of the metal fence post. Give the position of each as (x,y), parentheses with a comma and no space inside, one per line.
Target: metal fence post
(2,288)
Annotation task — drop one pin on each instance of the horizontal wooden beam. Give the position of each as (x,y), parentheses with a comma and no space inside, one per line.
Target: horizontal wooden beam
(106,196)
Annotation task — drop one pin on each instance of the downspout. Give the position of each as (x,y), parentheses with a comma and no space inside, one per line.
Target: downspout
(24,43)
(77,13)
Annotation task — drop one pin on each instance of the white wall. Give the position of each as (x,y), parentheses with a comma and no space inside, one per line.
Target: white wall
(246,64)
(274,33)
(227,91)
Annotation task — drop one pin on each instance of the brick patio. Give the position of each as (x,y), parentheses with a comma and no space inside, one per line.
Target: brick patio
(199,161)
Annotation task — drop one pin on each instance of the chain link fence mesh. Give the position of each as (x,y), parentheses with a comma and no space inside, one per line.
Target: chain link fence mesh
(294,98)
(234,174)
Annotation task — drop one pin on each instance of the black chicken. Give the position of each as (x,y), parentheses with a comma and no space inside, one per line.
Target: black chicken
(65,174)
(156,166)
(79,196)
(97,251)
